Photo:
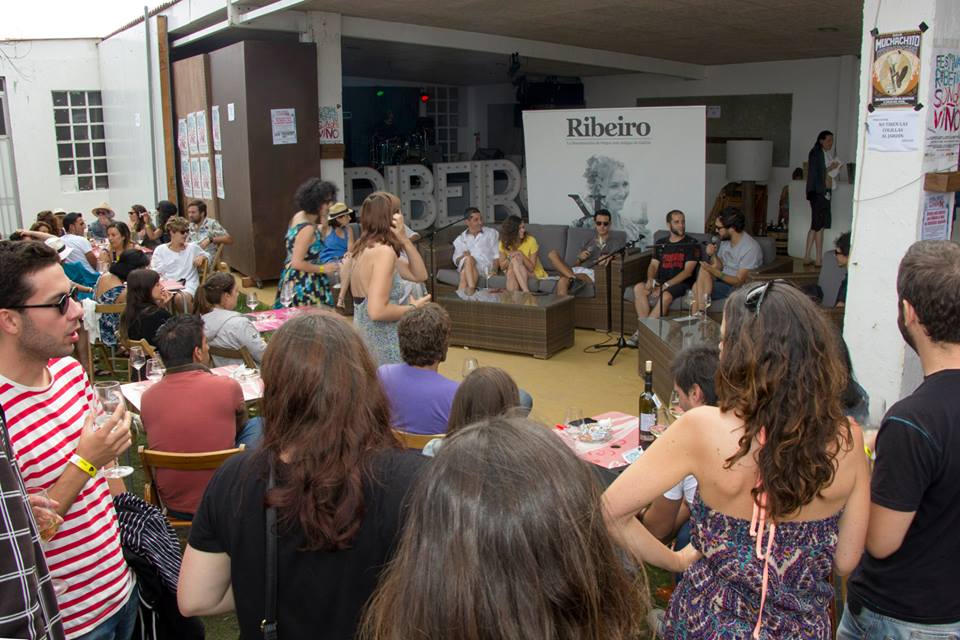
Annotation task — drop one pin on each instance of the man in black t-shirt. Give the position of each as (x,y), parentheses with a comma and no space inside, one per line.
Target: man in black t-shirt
(671,272)
(904,586)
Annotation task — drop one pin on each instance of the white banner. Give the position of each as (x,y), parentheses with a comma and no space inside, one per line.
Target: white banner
(639,162)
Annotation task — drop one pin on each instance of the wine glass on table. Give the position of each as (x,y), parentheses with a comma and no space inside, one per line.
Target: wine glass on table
(706,305)
(688,299)
(137,360)
(252,302)
(286,294)
(155,370)
(573,420)
(109,398)
(48,522)
(469,366)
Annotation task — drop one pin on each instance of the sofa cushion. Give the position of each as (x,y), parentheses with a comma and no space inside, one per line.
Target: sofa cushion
(769,247)
(448,276)
(549,237)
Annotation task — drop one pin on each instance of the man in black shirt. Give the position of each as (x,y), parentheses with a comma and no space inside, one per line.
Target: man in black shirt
(671,272)
(904,586)
(595,253)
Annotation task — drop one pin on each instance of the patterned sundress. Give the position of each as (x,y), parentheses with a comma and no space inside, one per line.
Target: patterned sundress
(381,337)
(719,595)
(308,288)
(110,322)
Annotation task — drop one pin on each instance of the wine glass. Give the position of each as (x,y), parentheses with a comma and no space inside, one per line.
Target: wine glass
(706,305)
(108,399)
(155,370)
(48,522)
(252,302)
(573,419)
(688,299)
(286,294)
(137,360)
(469,366)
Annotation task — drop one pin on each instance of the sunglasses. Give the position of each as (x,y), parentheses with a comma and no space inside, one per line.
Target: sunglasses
(61,305)
(755,298)
(605,223)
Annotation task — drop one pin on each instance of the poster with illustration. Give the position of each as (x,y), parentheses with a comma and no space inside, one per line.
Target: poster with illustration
(195,177)
(895,74)
(192,133)
(202,147)
(218,169)
(185,177)
(182,142)
(943,107)
(215,123)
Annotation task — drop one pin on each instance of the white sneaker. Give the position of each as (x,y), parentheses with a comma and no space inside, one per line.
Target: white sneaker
(634,340)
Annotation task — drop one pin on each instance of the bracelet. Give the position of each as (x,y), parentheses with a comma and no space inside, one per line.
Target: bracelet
(83,465)
(321,269)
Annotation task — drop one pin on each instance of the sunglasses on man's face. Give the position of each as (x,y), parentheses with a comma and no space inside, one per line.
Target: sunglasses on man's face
(603,223)
(61,305)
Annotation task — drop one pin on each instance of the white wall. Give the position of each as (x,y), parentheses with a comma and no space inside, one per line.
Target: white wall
(123,67)
(38,68)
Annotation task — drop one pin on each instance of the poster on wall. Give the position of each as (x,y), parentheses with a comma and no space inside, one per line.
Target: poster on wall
(215,123)
(185,176)
(206,184)
(893,131)
(218,169)
(330,130)
(895,75)
(192,133)
(936,216)
(943,106)
(182,142)
(638,163)
(202,146)
(283,123)
(195,178)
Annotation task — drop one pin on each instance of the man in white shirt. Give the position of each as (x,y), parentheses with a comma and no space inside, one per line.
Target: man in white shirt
(179,259)
(475,250)
(73,236)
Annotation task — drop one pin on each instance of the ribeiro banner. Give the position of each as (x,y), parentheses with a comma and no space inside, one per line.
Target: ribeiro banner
(638,163)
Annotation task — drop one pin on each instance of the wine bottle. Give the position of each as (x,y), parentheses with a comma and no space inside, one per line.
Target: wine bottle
(647,407)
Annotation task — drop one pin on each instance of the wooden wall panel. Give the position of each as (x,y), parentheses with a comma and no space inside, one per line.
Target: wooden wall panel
(191,91)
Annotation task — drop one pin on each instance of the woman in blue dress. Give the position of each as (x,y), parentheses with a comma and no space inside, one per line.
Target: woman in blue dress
(304,241)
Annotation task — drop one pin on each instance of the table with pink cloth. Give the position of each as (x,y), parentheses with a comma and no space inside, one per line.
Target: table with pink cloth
(252,386)
(619,451)
(273,319)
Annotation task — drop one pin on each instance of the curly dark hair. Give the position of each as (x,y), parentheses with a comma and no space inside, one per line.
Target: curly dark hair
(781,371)
(313,194)
(929,279)
(510,232)
(732,218)
(424,335)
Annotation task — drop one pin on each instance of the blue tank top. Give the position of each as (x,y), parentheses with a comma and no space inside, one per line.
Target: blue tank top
(334,247)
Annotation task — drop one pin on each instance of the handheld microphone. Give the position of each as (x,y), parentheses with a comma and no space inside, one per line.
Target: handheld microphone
(715,240)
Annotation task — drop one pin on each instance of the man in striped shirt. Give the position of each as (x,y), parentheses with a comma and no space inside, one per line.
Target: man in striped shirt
(48,405)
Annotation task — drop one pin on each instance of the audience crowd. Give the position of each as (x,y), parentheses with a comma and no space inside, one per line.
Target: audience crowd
(323,524)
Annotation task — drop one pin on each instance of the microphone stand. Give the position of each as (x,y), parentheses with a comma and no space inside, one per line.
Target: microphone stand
(621,343)
(433,234)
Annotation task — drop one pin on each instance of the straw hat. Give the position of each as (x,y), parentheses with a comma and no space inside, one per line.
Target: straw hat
(339,209)
(104,206)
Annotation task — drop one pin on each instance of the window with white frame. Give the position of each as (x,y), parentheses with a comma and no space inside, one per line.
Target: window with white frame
(81,140)
(444,108)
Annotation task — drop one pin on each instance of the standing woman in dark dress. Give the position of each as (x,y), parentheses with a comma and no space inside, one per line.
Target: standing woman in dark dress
(822,165)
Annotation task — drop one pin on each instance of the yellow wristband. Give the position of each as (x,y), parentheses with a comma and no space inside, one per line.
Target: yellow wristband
(321,269)
(83,465)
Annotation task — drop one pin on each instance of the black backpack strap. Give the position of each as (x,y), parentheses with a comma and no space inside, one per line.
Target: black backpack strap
(269,624)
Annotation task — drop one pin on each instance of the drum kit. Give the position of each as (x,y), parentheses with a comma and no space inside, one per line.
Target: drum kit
(411,149)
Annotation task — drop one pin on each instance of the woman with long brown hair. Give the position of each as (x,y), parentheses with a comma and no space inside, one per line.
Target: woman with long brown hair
(375,271)
(339,479)
(519,254)
(784,491)
(505,541)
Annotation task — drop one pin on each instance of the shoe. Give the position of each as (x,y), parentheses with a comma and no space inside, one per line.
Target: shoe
(634,340)
(576,284)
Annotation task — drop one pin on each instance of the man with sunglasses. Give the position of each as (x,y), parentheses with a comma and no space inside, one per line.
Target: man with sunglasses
(731,262)
(595,252)
(49,407)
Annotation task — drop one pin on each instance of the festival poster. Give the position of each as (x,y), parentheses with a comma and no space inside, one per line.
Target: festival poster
(182,141)
(195,177)
(895,74)
(206,187)
(218,169)
(203,147)
(215,122)
(330,129)
(936,216)
(192,133)
(283,122)
(185,177)
(943,107)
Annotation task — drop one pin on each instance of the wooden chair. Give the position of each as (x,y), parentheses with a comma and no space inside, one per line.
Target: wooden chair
(211,265)
(235,354)
(151,459)
(415,440)
(99,346)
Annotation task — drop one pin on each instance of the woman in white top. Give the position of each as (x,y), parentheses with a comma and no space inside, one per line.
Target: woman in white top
(178,259)
(224,327)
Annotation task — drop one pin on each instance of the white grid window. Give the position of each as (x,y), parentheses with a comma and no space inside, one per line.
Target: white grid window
(81,145)
(444,108)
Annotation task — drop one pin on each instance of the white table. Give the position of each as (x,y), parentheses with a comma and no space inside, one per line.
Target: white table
(252,387)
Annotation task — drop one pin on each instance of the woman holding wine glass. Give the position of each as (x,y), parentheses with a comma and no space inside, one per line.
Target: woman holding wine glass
(215,303)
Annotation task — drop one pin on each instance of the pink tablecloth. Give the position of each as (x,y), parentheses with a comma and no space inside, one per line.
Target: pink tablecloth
(252,387)
(273,319)
(619,451)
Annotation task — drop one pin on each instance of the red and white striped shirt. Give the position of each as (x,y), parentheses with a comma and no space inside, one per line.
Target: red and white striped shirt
(45,425)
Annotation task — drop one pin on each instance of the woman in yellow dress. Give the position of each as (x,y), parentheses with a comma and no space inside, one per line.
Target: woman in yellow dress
(518,255)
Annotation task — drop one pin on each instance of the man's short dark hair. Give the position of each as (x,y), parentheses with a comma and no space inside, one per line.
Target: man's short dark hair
(602,212)
(424,335)
(732,218)
(929,279)
(70,219)
(842,243)
(471,210)
(166,208)
(670,214)
(199,204)
(697,365)
(178,337)
(18,261)
(314,193)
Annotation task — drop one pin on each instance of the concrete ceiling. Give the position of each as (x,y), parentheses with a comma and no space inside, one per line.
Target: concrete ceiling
(705,32)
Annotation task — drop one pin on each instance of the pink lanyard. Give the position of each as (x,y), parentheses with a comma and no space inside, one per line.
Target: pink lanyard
(758,522)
